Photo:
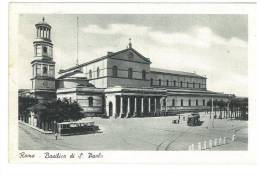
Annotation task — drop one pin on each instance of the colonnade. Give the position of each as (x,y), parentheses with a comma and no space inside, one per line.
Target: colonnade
(43,32)
(138,106)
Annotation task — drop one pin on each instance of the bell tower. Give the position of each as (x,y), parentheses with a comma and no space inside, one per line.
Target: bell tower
(43,66)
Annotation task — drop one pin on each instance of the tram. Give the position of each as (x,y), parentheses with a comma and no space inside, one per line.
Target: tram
(76,127)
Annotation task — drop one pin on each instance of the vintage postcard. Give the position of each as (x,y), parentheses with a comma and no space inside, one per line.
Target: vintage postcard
(130,82)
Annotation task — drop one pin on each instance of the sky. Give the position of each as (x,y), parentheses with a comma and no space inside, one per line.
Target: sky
(211,45)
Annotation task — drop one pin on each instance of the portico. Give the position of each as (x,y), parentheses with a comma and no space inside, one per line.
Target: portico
(132,102)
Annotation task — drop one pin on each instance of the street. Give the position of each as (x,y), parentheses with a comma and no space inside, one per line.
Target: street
(156,133)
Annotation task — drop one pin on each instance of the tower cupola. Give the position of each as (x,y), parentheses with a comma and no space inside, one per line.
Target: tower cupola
(42,43)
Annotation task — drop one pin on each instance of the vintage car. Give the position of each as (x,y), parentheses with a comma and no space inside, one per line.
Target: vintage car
(193,119)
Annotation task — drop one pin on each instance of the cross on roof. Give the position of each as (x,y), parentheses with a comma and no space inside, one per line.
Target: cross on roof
(130,44)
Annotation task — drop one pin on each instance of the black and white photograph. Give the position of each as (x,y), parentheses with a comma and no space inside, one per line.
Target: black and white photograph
(165,82)
(130,83)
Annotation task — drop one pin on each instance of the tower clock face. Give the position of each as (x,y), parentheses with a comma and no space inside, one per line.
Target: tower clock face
(45,84)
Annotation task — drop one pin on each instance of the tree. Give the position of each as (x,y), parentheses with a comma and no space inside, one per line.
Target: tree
(24,102)
(221,105)
(61,111)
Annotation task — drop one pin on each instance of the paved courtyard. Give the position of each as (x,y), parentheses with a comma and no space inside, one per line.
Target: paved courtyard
(156,133)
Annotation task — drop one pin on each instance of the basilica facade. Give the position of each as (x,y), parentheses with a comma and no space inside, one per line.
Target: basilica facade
(119,84)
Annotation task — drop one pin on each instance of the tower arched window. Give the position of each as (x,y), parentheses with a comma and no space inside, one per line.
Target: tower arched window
(90,101)
(130,73)
(143,74)
(44,49)
(90,74)
(114,71)
(44,70)
(98,72)
(160,82)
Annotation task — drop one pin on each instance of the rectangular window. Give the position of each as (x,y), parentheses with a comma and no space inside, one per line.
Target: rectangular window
(51,70)
(203,102)
(38,69)
(197,102)
(181,102)
(38,50)
(173,102)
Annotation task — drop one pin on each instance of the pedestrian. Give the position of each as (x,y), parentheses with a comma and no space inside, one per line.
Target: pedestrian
(56,136)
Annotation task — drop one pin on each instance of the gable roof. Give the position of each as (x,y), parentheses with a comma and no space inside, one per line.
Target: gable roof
(175,72)
(75,74)
(111,54)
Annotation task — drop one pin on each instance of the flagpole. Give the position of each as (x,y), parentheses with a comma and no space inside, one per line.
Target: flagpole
(77,61)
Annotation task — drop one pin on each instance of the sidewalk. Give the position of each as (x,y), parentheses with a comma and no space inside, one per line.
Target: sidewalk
(37,129)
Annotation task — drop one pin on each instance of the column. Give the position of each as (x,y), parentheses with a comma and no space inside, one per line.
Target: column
(121,114)
(155,106)
(142,105)
(149,105)
(166,106)
(47,33)
(135,107)
(114,110)
(128,107)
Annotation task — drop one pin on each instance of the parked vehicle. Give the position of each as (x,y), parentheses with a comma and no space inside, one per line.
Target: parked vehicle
(193,119)
(73,128)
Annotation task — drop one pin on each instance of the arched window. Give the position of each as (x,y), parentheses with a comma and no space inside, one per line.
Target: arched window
(164,102)
(90,101)
(44,70)
(143,75)
(44,49)
(160,82)
(151,81)
(130,73)
(189,102)
(90,74)
(114,71)
(98,72)
(167,82)
(173,102)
